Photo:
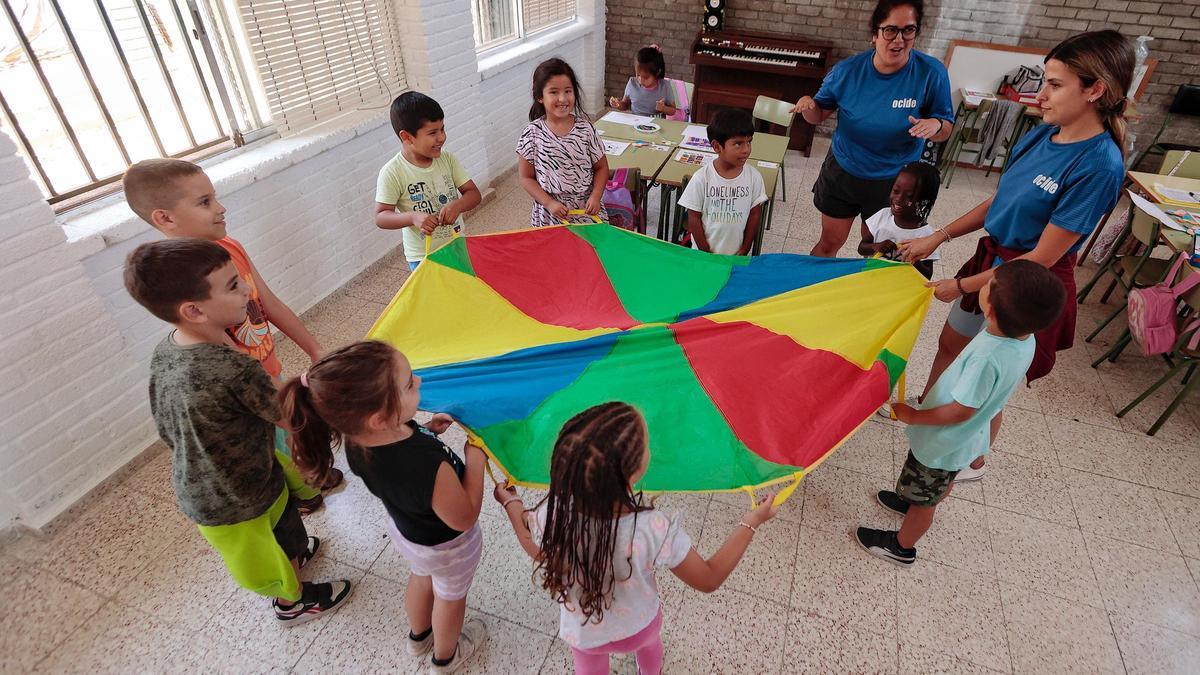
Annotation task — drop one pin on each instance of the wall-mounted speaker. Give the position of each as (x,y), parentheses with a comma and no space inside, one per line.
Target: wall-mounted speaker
(714,14)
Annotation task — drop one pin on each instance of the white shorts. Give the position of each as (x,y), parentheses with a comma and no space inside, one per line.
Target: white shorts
(452,564)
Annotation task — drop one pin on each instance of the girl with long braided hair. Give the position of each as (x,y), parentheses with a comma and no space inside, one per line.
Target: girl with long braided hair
(597,544)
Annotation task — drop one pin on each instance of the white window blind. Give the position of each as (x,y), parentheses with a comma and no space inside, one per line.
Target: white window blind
(320,58)
(538,14)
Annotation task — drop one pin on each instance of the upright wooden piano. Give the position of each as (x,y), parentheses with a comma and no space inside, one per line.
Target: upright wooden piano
(733,68)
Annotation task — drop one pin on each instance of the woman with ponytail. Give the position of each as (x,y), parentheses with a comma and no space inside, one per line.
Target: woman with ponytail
(1060,180)
(363,397)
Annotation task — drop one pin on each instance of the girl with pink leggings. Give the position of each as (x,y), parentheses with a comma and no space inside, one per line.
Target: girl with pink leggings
(597,545)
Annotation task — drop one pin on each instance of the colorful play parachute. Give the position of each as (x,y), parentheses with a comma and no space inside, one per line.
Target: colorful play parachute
(749,370)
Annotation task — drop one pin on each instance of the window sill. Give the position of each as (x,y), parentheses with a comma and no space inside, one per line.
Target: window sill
(493,63)
(91,228)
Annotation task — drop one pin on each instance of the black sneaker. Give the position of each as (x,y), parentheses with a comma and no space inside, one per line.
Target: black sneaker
(892,502)
(310,551)
(883,544)
(315,600)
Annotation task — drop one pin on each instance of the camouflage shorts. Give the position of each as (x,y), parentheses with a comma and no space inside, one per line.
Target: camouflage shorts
(920,485)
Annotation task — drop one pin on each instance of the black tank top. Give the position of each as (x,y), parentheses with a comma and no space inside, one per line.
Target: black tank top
(402,475)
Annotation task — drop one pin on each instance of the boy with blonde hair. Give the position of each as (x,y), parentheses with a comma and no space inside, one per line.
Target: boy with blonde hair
(179,200)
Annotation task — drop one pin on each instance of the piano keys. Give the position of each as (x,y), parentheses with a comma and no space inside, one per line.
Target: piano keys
(733,68)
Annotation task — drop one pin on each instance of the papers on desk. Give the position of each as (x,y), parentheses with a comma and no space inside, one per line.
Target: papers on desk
(1153,211)
(767,165)
(626,119)
(695,137)
(614,148)
(1177,196)
(660,148)
(693,158)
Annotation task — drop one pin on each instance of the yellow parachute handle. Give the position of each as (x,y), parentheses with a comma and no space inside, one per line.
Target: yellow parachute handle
(581,212)
(786,492)
(899,394)
(782,496)
(429,240)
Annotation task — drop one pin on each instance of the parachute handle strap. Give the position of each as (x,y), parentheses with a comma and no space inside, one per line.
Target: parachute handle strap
(899,394)
(581,212)
(429,240)
(475,440)
(783,494)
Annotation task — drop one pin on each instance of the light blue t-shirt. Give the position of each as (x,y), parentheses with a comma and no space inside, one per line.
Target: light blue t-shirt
(871,140)
(984,377)
(1069,184)
(643,101)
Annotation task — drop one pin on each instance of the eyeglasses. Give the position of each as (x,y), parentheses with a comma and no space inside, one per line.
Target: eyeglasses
(890,32)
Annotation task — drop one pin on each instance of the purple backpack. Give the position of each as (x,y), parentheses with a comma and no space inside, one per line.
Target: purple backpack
(1153,321)
(617,200)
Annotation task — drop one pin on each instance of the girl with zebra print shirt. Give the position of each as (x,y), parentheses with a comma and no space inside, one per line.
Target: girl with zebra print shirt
(561,161)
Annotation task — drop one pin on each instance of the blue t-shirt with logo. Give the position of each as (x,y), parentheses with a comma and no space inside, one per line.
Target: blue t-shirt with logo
(871,140)
(1069,184)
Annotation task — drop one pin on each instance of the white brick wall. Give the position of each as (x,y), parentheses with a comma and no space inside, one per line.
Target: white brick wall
(74,348)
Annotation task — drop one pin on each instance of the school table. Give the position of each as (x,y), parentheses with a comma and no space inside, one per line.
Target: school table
(669,133)
(768,147)
(1144,182)
(648,160)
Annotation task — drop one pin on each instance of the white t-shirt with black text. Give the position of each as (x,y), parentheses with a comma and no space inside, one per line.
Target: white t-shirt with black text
(724,204)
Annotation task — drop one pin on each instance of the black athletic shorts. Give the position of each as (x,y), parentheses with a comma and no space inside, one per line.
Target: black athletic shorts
(290,531)
(840,194)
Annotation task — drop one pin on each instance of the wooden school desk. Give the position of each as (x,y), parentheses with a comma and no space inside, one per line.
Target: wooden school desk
(1144,182)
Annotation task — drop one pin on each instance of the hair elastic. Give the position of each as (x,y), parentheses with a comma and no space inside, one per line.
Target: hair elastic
(304,379)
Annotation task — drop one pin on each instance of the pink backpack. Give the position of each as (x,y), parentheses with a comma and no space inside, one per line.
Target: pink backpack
(683,110)
(618,202)
(1153,321)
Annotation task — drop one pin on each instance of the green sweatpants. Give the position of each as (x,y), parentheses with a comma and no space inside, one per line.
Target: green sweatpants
(253,555)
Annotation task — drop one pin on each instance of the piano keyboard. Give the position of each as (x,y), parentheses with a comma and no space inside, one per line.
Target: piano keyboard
(795,53)
(748,58)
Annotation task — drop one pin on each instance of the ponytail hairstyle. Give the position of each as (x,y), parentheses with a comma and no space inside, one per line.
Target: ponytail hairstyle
(596,454)
(542,74)
(1102,56)
(334,400)
(925,193)
(651,60)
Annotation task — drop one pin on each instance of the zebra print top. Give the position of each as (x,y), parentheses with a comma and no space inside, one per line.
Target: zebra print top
(563,165)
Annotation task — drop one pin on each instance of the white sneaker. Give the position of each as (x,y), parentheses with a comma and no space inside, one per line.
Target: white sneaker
(470,643)
(968,474)
(419,647)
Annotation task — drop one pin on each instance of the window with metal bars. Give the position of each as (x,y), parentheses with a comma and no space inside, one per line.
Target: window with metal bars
(501,21)
(88,87)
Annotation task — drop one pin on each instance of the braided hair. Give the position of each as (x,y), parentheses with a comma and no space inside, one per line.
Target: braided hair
(597,453)
(928,181)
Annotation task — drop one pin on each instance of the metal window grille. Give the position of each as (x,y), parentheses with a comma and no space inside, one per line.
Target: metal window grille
(89,91)
(319,58)
(500,21)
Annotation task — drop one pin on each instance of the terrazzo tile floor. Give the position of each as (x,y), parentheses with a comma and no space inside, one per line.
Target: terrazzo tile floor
(1077,553)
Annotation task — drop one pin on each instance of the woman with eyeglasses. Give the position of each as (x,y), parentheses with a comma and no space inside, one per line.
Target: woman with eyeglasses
(889,100)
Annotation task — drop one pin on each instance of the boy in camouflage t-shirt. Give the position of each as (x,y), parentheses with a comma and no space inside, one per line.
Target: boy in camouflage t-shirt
(216,409)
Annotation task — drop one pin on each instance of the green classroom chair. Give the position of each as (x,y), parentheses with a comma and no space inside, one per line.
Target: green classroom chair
(774,111)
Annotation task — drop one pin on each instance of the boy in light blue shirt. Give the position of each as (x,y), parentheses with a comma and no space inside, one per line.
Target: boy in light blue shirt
(952,427)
